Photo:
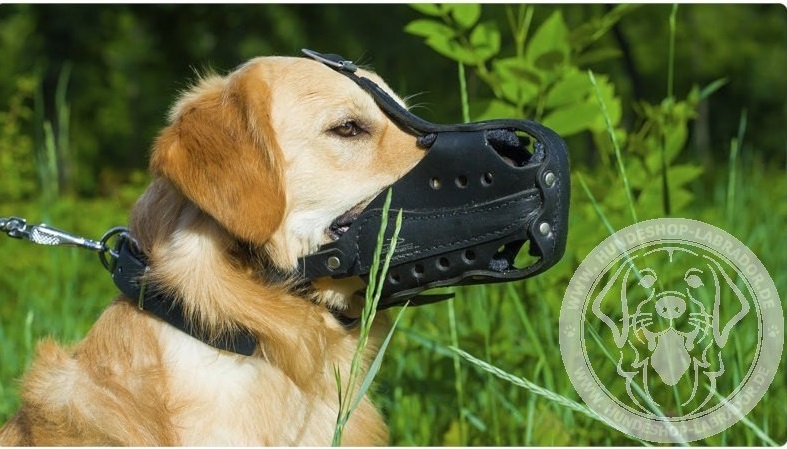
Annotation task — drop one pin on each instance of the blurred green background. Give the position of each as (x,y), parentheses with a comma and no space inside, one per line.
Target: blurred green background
(695,96)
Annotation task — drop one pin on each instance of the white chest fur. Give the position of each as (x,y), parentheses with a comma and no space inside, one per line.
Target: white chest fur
(219,398)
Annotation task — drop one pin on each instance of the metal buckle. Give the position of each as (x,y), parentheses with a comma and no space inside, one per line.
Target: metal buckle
(334,61)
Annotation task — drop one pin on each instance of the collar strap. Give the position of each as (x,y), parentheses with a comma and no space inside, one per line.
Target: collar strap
(128,272)
(128,267)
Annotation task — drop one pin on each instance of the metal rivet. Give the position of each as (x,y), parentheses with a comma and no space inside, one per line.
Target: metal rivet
(333,262)
(549,179)
(544,228)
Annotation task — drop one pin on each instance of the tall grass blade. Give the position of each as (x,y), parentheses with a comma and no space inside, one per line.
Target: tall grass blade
(47,168)
(742,418)
(347,404)
(528,385)
(595,205)
(463,93)
(531,332)
(615,146)
(458,384)
(708,90)
(635,386)
(665,195)
(64,156)
(665,198)
(735,146)
(671,60)
(374,368)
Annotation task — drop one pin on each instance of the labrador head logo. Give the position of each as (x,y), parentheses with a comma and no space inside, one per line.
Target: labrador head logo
(670,330)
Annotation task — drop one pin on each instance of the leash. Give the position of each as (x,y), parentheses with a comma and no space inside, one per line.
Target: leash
(128,265)
(121,256)
(43,234)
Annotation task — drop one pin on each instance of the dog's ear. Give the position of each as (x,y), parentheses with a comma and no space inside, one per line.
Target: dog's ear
(722,334)
(221,152)
(619,334)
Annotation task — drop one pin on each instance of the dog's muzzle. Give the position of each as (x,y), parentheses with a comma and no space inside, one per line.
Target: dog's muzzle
(481,192)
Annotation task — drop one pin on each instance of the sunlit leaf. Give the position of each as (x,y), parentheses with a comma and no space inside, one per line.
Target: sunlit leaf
(680,175)
(485,40)
(517,69)
(465,14)
(430,9)
(549,44)
(592,30)
(429,28)
(519,91)
(494,109)
(451,49)
(572,118)
(573,87)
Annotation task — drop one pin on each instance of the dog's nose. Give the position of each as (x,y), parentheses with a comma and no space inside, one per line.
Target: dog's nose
(670,306)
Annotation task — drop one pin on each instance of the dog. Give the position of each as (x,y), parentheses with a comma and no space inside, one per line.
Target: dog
(675,329)
(251,171)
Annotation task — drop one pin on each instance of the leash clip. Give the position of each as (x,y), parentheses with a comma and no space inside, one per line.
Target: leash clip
(15,227)
(42,234)
(45,235)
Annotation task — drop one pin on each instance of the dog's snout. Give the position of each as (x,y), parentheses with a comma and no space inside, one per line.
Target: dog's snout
(670,306)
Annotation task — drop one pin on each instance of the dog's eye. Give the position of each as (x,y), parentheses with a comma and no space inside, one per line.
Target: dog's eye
(350,128)
(694,281)
(647,281)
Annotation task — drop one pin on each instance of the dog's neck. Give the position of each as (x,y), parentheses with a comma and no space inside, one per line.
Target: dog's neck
(221,288)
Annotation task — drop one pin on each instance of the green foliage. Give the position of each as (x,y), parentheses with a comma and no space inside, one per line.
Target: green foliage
(636,144)
(352,392)
(541,80)
(639,173)
(17,160)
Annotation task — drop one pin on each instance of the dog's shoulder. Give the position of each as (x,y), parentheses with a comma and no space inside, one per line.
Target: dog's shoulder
(103,391)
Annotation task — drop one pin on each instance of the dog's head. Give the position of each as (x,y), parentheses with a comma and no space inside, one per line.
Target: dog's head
(671,281)
(280,153)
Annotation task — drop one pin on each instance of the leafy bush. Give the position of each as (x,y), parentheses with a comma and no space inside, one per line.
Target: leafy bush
(620,176)
(509,65)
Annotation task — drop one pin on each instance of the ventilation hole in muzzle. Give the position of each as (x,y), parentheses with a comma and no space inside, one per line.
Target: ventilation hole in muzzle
(394,277)
(443,263)
(510,145)
(418,270)
(461,181)
(512,255)
(435,183)
(486,179)
(469,256)
(504,257)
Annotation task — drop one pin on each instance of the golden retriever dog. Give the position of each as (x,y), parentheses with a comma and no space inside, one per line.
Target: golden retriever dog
(251,171)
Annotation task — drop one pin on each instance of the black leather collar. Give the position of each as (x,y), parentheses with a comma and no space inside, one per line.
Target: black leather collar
(128,271)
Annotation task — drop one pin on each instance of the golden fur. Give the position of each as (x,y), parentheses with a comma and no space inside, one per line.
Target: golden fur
(249,169)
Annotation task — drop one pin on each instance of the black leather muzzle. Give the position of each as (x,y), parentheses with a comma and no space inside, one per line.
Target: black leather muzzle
(482,191)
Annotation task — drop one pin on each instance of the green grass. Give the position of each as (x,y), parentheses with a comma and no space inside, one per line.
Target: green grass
(417,383)
(512,327)
(352,390)
(482,369)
